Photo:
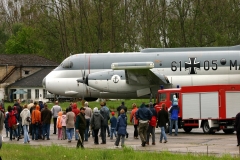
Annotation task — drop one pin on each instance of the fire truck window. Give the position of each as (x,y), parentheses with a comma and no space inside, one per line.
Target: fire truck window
(177,95)
(162,97)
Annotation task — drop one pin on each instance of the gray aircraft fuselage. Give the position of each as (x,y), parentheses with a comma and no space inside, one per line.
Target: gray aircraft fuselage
(137,74)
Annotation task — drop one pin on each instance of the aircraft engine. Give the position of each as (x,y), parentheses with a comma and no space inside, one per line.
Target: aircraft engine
(111,81)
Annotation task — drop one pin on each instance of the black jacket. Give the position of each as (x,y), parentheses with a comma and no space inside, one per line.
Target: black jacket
(80,123)
(162,118)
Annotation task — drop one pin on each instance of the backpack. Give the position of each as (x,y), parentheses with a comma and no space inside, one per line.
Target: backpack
(11,119)
(153,121)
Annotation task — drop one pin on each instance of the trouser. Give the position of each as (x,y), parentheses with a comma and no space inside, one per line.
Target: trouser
(163,134)
(13,131)
(238,138)
(25,132)
(30,128)
(64,132)
(19,128)
(151,130)
(35,129)
(103,133)
(135,131)
(55,125)
(70,133)
(76,134)
(108,131)
(143,127)
(81,138)
(59,133)
(113,131)
(122,137)
(176,126)
(95,131)
(87,129)
(40,133)
(81,133)
(46,130)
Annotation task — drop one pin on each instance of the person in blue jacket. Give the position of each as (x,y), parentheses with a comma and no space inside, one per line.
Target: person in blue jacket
(174,116)
(121,128)
(144,115)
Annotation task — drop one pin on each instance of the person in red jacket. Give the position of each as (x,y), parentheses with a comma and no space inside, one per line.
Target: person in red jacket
(12,122)
(76,111)
(134,120)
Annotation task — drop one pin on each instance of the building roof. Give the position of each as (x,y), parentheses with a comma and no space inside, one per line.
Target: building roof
(25,60)
(34,80)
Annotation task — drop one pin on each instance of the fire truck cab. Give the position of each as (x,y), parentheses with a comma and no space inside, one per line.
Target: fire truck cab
(211,107)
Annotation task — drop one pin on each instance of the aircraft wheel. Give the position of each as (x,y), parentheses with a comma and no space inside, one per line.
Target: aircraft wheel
(187,129)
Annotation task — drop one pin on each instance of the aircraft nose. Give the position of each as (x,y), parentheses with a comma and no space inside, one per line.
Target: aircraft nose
(44,82)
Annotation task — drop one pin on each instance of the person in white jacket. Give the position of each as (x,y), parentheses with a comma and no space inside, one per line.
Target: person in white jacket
(25,122)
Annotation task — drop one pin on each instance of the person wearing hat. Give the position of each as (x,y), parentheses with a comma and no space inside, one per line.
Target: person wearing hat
(113,122)
(174,115)
(80,126)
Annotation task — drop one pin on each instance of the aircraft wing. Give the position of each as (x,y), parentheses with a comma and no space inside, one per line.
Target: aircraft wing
(140,73)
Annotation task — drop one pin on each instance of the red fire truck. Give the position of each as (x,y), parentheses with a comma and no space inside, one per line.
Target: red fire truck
(211,107)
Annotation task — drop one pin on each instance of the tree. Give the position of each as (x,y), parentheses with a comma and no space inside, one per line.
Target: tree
(24,42)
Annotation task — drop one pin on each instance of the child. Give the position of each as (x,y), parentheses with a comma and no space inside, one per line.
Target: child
(113,122)
(121,128)
(59,125)
(63,120)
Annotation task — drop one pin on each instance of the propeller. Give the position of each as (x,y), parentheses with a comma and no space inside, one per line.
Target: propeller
(84,78)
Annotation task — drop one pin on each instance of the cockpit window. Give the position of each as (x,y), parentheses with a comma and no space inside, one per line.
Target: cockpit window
(67,64)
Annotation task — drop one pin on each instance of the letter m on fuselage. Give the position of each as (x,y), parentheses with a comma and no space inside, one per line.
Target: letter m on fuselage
(233,64)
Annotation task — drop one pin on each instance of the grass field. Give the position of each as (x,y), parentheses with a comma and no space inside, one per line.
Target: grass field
(28,152)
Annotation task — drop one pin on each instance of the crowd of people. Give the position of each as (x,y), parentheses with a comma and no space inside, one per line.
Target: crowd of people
(32,122)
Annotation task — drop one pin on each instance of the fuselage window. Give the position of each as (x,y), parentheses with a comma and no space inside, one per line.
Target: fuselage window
(67,64)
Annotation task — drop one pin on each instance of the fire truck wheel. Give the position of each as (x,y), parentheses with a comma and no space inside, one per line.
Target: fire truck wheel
(187,129)
(228,131)
(206,128)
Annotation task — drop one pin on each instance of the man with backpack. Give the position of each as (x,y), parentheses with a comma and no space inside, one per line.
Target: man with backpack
(152,124)
(174,116)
